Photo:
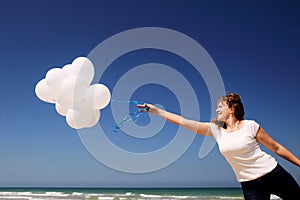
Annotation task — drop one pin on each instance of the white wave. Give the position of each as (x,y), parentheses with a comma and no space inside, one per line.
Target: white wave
(15,193)
(15,197)
(182,197)
(150,196)
(126,195)
(106,198)
(77,194)
(6,193)
(28,195)
(56,194)
(94,194)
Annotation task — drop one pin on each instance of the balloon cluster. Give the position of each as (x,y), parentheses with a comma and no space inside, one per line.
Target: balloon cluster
(70,89)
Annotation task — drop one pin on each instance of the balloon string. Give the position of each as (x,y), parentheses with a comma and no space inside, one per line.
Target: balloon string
(128,102)
(131,117)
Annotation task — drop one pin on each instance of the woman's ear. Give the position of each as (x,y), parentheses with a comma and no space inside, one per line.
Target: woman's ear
(231,110)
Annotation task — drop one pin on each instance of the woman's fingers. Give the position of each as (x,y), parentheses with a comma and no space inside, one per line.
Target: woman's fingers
(144,107)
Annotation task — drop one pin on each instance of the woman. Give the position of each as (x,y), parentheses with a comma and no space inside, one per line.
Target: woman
(259,173)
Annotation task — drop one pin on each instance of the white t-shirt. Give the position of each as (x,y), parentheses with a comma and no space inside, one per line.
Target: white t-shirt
(241,150)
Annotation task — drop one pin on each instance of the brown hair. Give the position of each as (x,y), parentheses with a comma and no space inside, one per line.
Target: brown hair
(234,101)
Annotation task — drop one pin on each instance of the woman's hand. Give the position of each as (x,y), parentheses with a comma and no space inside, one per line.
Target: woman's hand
(149,108)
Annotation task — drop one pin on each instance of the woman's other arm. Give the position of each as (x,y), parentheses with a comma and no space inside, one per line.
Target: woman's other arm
(192,125)
(275,147)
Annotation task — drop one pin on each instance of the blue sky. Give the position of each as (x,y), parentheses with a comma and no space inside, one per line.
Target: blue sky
(255,46)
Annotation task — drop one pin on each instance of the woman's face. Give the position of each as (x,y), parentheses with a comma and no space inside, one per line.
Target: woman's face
(223,111)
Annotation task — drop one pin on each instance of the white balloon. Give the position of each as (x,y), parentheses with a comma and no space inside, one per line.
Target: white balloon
(82,116)
(44,92)
(73,89)
(69,88)
(65,103)
(62,110)
(94,118)
(68,69)
(84,68)
(85,110)
(54,78)
(98,95)
(72,119)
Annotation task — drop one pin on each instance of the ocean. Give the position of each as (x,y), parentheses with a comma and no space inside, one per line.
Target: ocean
(121,194)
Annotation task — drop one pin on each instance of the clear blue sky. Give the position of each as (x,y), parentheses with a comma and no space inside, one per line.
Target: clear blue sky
(255,46)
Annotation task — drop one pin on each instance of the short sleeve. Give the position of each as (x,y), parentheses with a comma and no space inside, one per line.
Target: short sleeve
(254,126)
(215,131)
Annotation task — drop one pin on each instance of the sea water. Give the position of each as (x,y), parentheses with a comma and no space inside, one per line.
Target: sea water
(121,194)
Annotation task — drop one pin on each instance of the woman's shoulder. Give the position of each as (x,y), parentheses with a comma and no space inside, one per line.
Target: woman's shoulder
(250,122)
(252,125)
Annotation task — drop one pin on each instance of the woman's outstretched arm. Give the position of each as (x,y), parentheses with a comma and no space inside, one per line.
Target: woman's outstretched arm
(275,147)
(202,128)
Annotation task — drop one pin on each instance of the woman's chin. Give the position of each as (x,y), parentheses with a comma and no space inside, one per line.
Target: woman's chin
(220,119)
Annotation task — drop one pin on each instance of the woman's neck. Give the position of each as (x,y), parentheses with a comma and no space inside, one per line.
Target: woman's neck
(232,124)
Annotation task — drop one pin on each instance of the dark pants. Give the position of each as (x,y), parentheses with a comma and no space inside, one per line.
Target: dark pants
(278,182)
